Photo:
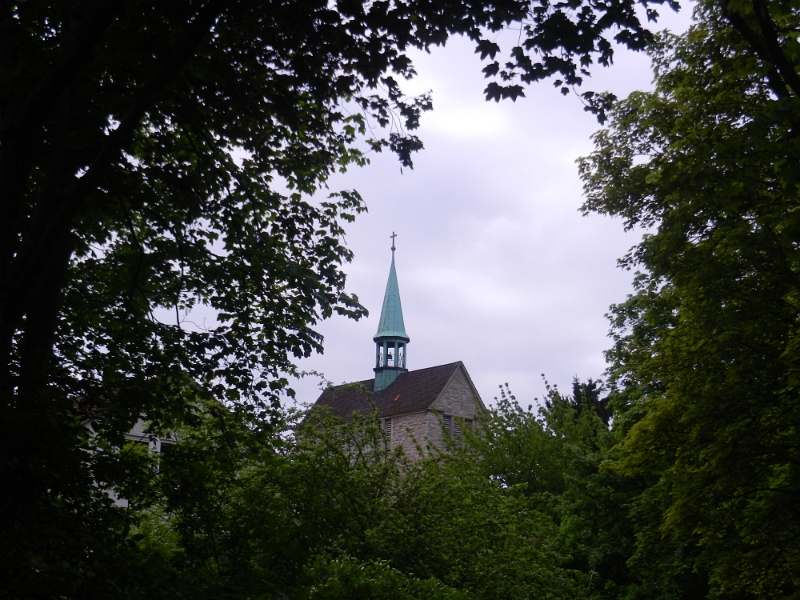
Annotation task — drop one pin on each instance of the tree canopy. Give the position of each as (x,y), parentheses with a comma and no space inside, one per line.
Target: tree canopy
(326,509)
(705,359)
(157,156)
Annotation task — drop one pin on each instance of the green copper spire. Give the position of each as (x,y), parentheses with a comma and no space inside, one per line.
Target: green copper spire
(391,339)
(391,323)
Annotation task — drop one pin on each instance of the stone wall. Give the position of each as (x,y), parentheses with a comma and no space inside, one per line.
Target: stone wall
(458,400)
(410,430)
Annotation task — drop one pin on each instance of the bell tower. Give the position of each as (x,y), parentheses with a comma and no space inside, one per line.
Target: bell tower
(391,339)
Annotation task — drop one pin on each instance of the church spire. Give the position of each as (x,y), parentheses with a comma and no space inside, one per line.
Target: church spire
(391,323)
(391,338)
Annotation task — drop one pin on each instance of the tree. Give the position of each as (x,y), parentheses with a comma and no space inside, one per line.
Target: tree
(156,157)
(334,511)
(769,30)
(705,357)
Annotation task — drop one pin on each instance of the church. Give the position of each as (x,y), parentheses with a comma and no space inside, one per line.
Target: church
(416,408)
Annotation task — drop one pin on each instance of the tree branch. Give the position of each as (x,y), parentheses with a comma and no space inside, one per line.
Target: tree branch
(20,127)
(36,264)
(75,53)
(767,46)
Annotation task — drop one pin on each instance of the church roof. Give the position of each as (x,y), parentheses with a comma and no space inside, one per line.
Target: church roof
(412,391)
(391,322)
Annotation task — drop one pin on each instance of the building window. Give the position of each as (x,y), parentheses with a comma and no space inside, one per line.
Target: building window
(138,442)
(448,422)
(387,428)
(457,427)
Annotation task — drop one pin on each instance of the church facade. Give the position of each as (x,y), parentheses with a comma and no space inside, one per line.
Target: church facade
(417,408)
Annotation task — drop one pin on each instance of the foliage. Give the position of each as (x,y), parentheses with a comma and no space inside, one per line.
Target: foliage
(156,158)
(606,522)
(313,507)
(555,455)
(537,452)
(334,512)
(345,578)
(769,30)
(705,357)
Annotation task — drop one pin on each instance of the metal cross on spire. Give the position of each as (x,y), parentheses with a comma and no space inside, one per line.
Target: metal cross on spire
(394,235)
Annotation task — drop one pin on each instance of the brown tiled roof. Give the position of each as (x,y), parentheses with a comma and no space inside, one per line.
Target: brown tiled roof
(410,392)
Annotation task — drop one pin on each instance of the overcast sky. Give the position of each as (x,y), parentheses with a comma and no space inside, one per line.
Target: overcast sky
(497,268)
